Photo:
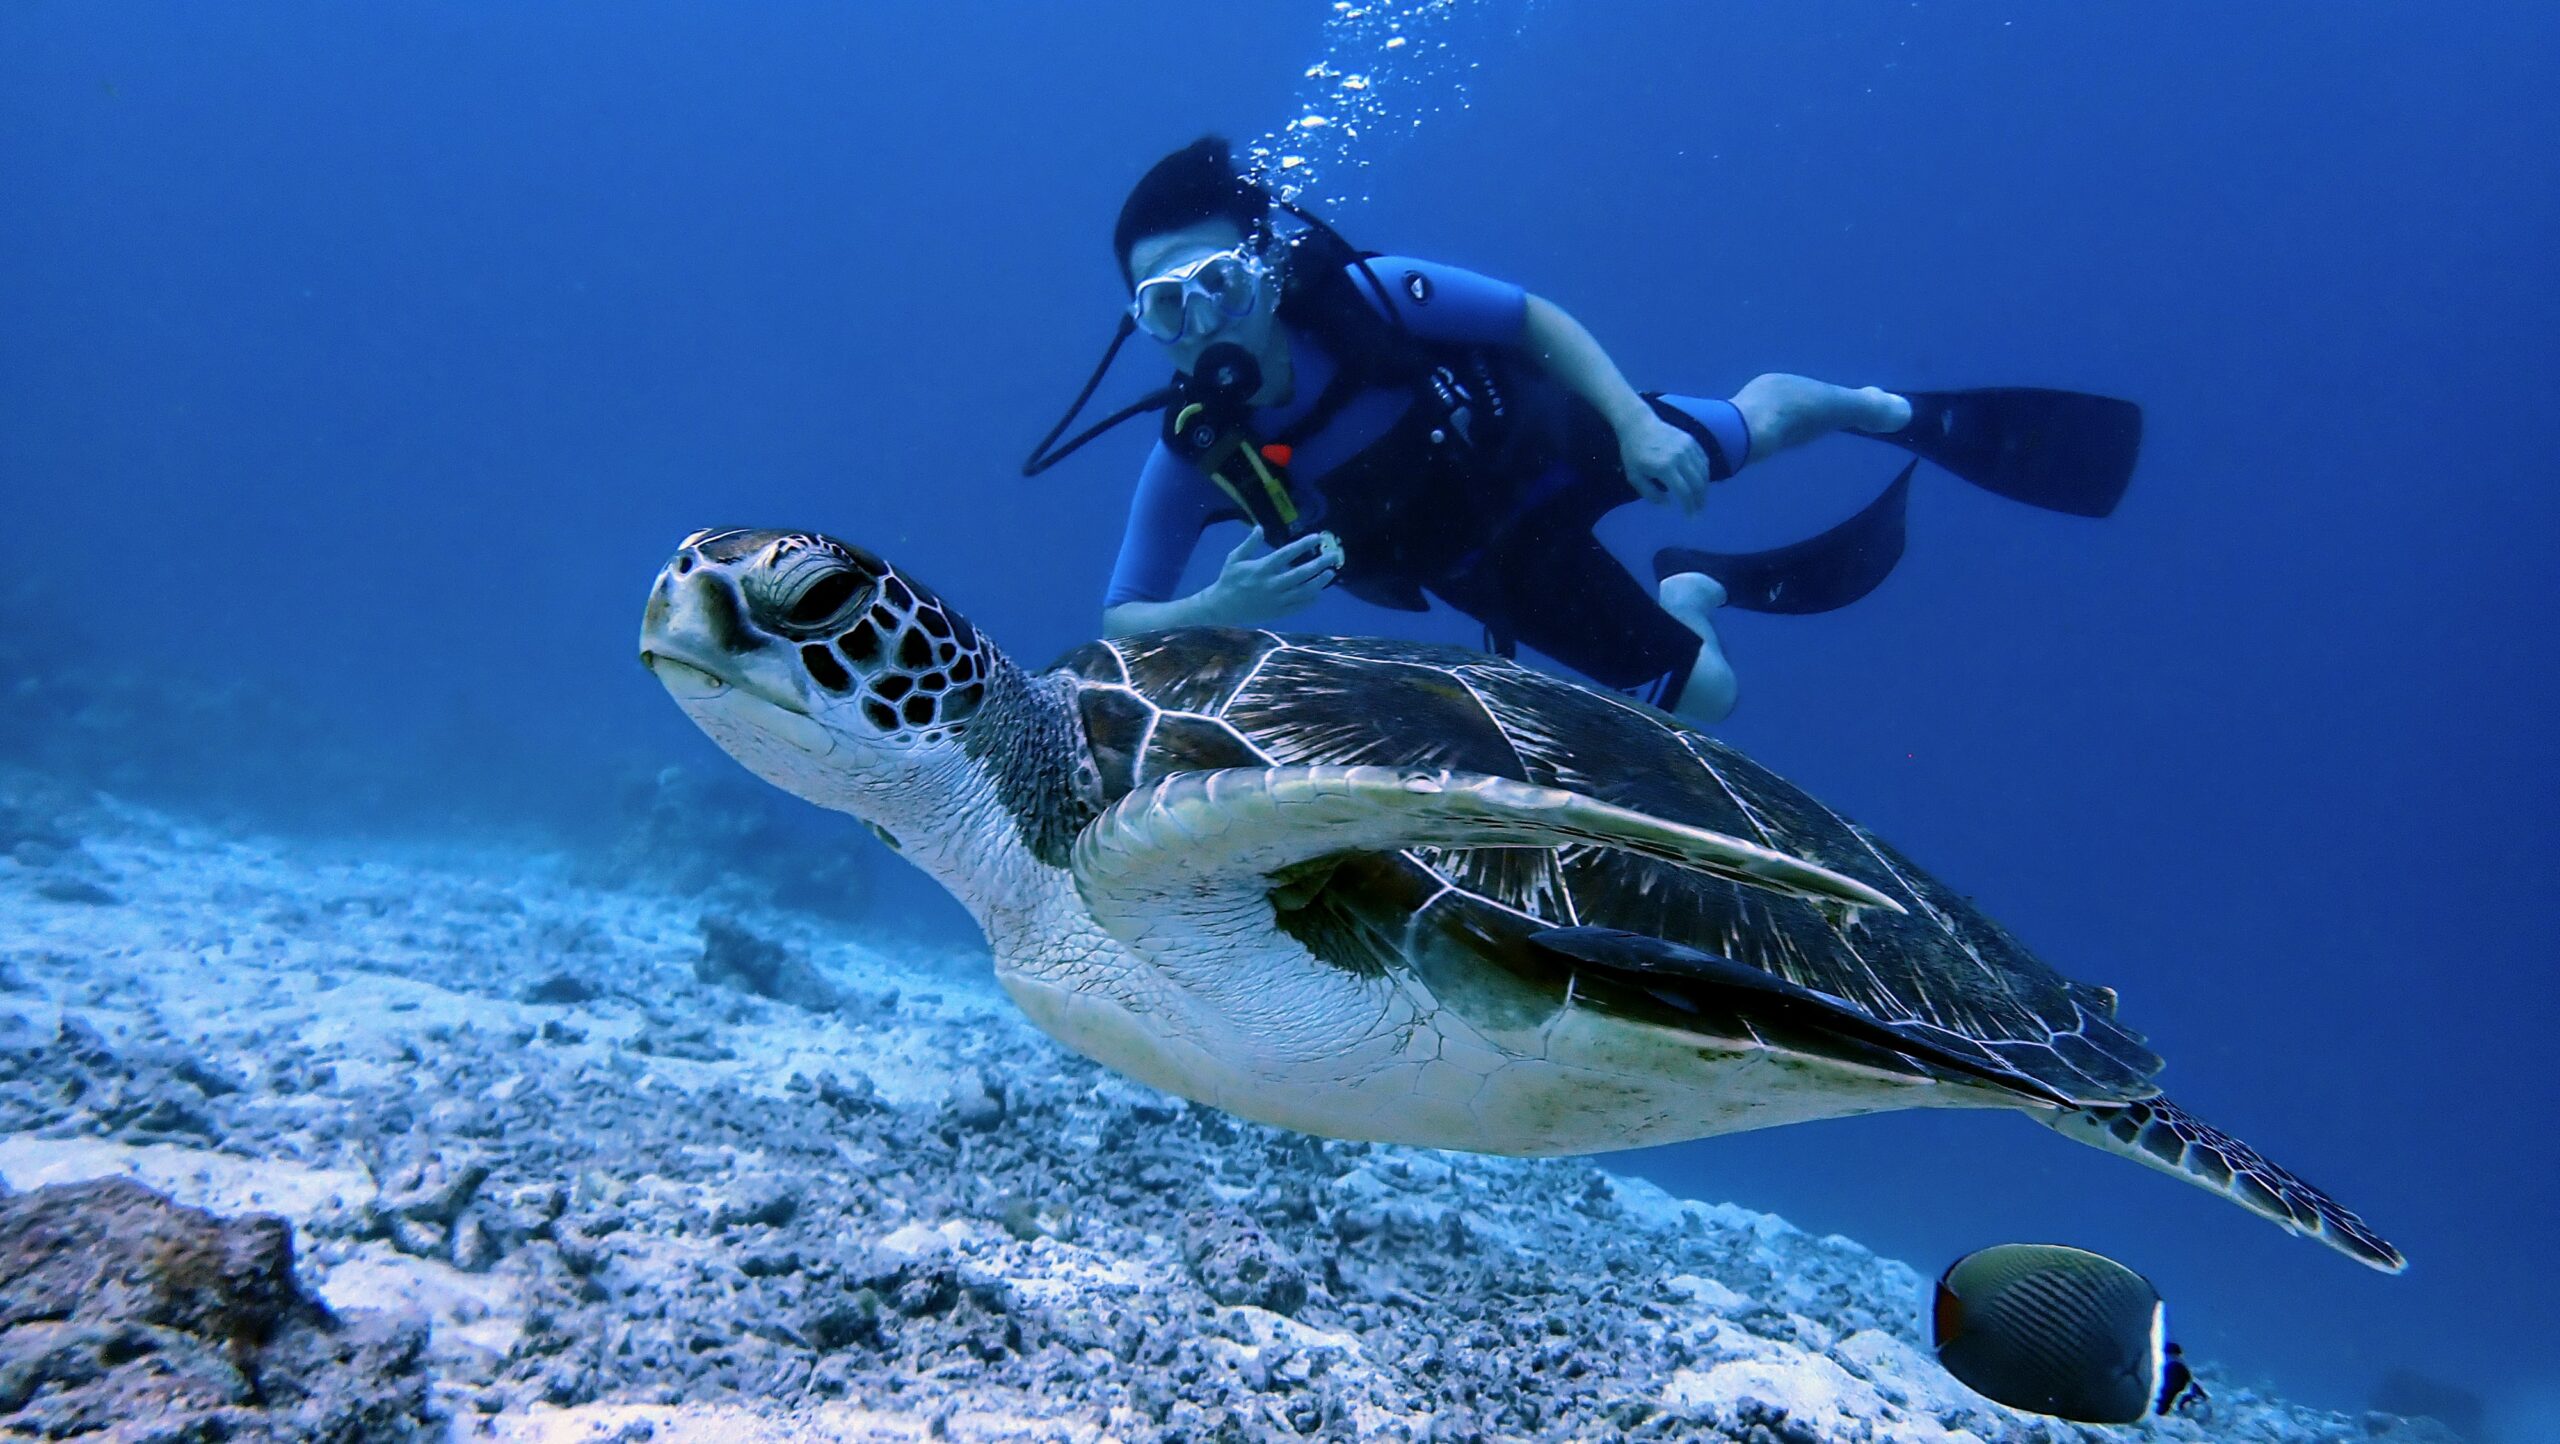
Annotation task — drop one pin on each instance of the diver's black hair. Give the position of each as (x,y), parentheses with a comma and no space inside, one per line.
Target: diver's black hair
(1196,183)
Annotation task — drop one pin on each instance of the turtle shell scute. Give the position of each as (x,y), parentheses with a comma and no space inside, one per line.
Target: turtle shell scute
(1464,920)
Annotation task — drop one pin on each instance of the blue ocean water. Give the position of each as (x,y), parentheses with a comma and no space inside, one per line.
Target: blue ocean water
(372,358)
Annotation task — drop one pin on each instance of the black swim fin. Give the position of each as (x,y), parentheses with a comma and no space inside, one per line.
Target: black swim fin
(1822,573)
(2063,451)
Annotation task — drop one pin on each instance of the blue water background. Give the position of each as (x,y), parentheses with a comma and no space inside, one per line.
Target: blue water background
(379,354)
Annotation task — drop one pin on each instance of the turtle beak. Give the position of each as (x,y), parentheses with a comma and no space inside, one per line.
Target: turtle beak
(726,673)
(695,638)
(685,681)
(672,630)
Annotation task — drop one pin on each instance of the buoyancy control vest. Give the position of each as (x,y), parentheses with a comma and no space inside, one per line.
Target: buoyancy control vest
(1425,500)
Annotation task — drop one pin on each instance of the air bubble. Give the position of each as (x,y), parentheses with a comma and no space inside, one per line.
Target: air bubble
(1385,65)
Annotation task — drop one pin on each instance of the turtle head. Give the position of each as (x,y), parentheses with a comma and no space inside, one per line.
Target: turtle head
(813,662)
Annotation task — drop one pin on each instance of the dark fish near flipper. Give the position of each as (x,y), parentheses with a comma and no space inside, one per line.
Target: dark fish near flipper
(2058,1331)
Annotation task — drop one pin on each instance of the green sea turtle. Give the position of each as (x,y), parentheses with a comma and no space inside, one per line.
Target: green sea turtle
(1381,890)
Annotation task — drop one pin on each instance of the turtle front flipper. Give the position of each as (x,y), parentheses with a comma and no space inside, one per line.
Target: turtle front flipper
(2164,1136)
(1172,833)
(1773,1009)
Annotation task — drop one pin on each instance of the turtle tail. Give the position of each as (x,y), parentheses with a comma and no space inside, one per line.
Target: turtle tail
(2164,1136)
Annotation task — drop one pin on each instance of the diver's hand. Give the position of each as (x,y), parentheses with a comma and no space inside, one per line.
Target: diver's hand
(1663,462)
(1257,582)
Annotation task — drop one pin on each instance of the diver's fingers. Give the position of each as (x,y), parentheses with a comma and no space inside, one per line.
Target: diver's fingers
(1315,566)
(1298,591)
(1288,557)
(1691,472)
(1245,549)
(1301,585)
(1645,486)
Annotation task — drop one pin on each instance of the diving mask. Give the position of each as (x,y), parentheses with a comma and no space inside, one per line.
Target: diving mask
(1223,283)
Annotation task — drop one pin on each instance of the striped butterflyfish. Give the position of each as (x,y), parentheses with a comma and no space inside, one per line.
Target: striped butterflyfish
(2059,1331)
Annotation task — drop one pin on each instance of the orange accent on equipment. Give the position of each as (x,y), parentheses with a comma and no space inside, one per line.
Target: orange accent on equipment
(1278,453)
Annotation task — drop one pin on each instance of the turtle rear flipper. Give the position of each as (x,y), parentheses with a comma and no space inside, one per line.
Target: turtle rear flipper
(2164,1136)
(1165,841)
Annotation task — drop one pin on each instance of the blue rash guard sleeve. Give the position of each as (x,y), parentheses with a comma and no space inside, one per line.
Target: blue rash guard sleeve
(1174,504)
(1448,303)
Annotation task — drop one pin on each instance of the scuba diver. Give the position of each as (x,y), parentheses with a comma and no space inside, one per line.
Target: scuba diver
(1407,430)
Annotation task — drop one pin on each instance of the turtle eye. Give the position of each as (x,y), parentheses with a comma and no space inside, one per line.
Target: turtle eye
(823,600)
(813,595)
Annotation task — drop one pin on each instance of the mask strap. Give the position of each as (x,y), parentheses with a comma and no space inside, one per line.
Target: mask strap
(1048,453)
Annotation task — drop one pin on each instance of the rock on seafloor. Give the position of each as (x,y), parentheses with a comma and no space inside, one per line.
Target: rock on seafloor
(575,1164)
(124,1314)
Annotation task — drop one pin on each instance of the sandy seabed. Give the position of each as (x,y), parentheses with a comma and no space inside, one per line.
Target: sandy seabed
(629,1177)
